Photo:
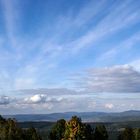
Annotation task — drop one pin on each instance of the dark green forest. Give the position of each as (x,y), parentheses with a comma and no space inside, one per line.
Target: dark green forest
(73,129)
(9,130)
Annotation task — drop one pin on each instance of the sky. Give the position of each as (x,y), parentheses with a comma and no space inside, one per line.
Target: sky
(76,55)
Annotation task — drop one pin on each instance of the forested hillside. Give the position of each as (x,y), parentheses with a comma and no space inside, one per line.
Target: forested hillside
(73,129)
(9,130)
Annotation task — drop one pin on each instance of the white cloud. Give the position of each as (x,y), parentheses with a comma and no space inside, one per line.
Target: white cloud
(50,50)
(44,103)
(135,64)
(109,106)
(4,100)
(39,98)
(33,58)
(121,78)
(42,99)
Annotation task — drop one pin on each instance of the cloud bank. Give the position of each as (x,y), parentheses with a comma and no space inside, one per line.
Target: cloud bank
(123,78)
(4,100)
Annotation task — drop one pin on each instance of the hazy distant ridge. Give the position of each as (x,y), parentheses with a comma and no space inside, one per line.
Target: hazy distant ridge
(131,115)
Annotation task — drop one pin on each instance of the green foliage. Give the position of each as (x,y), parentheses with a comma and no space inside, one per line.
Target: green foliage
(89,132)
(31,134)
(57,132)
(127,134)
(10,131)
(73,129)
(100,133)
(137,134)
(130,134)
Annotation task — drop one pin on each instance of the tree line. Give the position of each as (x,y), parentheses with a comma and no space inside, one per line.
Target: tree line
(9,130)
(130,134)
(74,129)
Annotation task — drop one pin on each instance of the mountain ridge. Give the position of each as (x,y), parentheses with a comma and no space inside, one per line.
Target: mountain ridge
(130,115)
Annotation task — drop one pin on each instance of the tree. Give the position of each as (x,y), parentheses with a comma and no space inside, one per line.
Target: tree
(89,132)
(137,133)
(31,134)
(57,132)
(127,134)
(76,130)
(100,133)
(9,130)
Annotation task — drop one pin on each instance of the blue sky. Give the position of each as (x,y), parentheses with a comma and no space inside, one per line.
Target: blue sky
(59,53)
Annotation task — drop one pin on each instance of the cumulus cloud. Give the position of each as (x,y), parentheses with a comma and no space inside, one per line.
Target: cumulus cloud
(43,103)
(42,98)
(109,106)
(38,98)
(123,78)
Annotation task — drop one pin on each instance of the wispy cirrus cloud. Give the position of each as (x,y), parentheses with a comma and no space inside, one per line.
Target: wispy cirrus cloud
(125,46)
(11,18)
(110,24)
(39,52)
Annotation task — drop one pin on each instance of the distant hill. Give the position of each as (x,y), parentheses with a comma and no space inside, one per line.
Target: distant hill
(130,115)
